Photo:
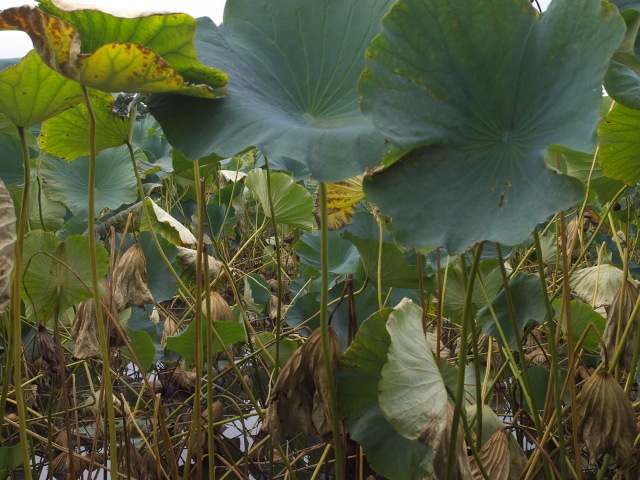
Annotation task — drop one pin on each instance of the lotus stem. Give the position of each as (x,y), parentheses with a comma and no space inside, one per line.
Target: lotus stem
(279,266)
(15,302)
(324,296)
(95,285)
(566,295)
(462,357)
(554,352)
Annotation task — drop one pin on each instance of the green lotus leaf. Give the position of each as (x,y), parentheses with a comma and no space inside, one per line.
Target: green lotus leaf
(578,165)
(118,66)
(582,315)
(293,91)
(183,343)
(257,292)
(31,92)
(292,204)
(65,135)
(395,271)
(166,225)
(9,128)
(11,168)
(161,283)
(68,182)
(143,346)
(343,255)
(478,102)
(53,213)
(287,347)
(528,304)
(357,378)
(412,393)
(597,285)
(47,282)
(620,145)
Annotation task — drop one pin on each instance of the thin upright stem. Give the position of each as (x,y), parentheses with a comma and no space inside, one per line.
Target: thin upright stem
(462,357)
(324,297)
(15,302)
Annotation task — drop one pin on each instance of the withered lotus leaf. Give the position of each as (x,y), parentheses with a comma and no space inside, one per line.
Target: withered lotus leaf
(131,280)
(188,259)
(84,331)
(167,330)
(494,456)
(131,466)
(217,411)
(61,467)
(607,420)
(630,293)
(220,309)
(48,349)
(301,395)
(570,232)
(7,239)
(184,379)
(149,467)
(462,468)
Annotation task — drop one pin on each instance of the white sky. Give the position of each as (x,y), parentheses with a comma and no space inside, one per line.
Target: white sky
(17,44)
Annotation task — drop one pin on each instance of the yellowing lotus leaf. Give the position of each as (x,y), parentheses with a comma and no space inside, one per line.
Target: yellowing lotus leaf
(342,199)
(111,67)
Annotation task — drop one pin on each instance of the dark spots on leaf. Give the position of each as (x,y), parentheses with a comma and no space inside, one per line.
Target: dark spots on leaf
(388,219)
(507,184)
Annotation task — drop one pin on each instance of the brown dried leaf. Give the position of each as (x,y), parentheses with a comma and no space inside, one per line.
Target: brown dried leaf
(7,239)
(301,395)
(607,420)
(131,280)
(494,456)
(187,258)
(537,357)
(462,468)
(167,330)
(132,466)
(84,331)
(570,232)
(149,467)
(630,293)
(220,309)
(218,411)
(48,349)
(184,379)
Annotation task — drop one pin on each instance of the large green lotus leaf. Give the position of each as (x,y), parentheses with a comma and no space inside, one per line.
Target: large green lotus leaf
(412,393)
(578,165)
(357,379)
(395,271)
(66,135)
(343,255)
(184,342)
(162,284)
(118,66)
(287,347)
(454,292)
(8,127)
(11,168)
(622,80)
(582,314)
(482,88)
(292,204)
(147,135)
(69,182)
(53,213)
(31,92)
(293,90)
(51,285)
(620,145)
(257,292)
(143,346)
(528,304)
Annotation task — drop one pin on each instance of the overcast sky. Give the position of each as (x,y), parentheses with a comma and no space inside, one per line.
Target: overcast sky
(17,44)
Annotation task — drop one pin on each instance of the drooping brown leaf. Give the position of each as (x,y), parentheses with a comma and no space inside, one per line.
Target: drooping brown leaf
(630,293)
(570,232)
(131,465)
(131,280)
(7,240)
(494,456)
(301,395)
(167,330)
(342,200)
(607,420)
(220,309)
(537,357)
(462,468)
(84,331)
(149,467)
(218,411)
(188,259)
(48,348)
(184,379)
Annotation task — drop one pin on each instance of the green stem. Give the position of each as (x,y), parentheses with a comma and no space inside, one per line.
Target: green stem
(279,264)
(95,285)
(462,358)
(324,328)
(525,372)
(15,302)
(554,353)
